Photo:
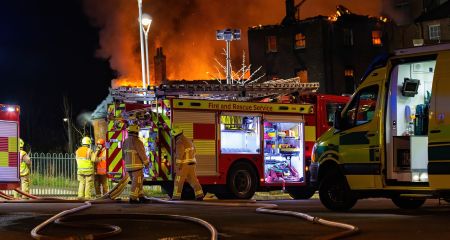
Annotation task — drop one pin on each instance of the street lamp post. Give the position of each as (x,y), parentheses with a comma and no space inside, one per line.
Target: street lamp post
(146,22)
(142,42)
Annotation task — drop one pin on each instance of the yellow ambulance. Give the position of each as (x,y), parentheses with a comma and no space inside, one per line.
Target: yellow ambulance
(392,139)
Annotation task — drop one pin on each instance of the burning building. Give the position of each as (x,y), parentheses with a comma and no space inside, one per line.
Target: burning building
(334,51)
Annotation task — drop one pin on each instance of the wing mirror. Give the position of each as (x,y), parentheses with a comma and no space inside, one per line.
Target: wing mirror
(337,124)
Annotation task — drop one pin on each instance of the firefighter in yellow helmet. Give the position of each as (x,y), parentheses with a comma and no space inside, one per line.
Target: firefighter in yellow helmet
(85,169)
(185,165)
(25,167)
(100,179)
(135,160)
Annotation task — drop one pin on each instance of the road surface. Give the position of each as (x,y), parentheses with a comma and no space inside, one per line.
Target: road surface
(376,219)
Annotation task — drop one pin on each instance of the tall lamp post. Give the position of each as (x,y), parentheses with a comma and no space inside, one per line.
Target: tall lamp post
(146,22)
(142,42)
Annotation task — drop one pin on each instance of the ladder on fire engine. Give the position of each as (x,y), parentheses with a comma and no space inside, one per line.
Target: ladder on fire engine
(235,92)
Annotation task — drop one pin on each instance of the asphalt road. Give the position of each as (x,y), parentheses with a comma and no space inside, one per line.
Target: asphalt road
(376,219)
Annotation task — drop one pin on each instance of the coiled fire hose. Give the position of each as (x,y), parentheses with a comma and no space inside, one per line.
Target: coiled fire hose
(64,219)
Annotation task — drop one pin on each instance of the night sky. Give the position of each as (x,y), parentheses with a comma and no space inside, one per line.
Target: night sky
(47,51)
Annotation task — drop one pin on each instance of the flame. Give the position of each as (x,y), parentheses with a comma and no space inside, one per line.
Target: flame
(186,31)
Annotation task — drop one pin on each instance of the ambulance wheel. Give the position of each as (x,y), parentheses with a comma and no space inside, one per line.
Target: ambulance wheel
(242,181)
(408,203)
(335,193)
(301,192)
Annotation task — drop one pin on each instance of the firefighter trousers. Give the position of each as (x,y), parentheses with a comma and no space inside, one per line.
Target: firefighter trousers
(24,186)
(101,185)
(137,184)
(186,172)
(85,186)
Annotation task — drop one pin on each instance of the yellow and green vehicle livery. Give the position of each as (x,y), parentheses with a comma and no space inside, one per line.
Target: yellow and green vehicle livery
(393,138)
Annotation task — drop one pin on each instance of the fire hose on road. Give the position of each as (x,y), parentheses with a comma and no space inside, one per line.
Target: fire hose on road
(64,219)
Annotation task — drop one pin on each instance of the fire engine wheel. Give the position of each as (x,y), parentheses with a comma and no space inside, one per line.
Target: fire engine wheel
(301,192)
(335,194)
(242,181)
(408,203)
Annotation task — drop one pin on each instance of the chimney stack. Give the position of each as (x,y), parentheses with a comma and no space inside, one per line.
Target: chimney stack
(160,67)
(290,13)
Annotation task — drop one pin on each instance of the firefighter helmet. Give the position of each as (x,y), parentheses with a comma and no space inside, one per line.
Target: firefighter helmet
(133,129)
(86,141)
(101,141)
(176,131)
(21,143)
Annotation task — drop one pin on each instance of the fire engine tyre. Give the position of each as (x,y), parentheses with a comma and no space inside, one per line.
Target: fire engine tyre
(301,192)
(241,181)
(408,203)
(335,193)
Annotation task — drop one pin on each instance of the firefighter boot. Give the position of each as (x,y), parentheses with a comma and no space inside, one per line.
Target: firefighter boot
(144,199)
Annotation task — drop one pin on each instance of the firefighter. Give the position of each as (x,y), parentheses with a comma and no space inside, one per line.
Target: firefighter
(100,179)
(85,169)
(135,160)
(25,166)
(185,165)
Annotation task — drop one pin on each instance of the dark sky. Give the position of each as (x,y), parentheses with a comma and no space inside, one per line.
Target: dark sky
(47,51)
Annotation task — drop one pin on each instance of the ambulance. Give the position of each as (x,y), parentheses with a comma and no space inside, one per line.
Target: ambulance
(392,139)
(9,147)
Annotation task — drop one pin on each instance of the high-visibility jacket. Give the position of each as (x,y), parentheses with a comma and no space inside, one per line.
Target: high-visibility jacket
(100,162)
(25,163)
(134,153)
(85,165)
(185,150)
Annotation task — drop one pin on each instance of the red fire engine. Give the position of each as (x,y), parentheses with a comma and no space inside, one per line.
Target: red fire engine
(9,147)
(242,146)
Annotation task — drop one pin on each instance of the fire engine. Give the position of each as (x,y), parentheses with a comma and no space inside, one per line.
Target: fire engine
(9,147)
(243,145)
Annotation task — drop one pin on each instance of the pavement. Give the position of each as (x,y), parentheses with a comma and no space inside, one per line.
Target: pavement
(376,219)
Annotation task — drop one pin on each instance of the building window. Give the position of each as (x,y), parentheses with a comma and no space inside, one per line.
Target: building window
(376,38)
(302,75)
(348,37)
(271,44)
(348,72)
(300,41)
(434,32)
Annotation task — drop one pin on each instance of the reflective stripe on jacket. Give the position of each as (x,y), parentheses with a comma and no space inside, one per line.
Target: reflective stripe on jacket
(134,153)
(185,150)
(101,162)
(24,164)
(85,164)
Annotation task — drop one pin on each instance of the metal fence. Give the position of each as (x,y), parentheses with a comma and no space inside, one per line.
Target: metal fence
(55,175)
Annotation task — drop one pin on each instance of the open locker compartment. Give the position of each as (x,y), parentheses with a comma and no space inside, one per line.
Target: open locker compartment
(284,158)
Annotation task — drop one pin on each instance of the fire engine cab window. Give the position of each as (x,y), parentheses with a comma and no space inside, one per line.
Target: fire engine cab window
(283,152)
(240,134)
(362,108)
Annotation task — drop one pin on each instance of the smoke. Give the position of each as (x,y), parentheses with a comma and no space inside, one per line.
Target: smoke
(186,30)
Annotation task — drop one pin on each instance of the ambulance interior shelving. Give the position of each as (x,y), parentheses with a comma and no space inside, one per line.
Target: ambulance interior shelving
(407,121)
(283,149)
